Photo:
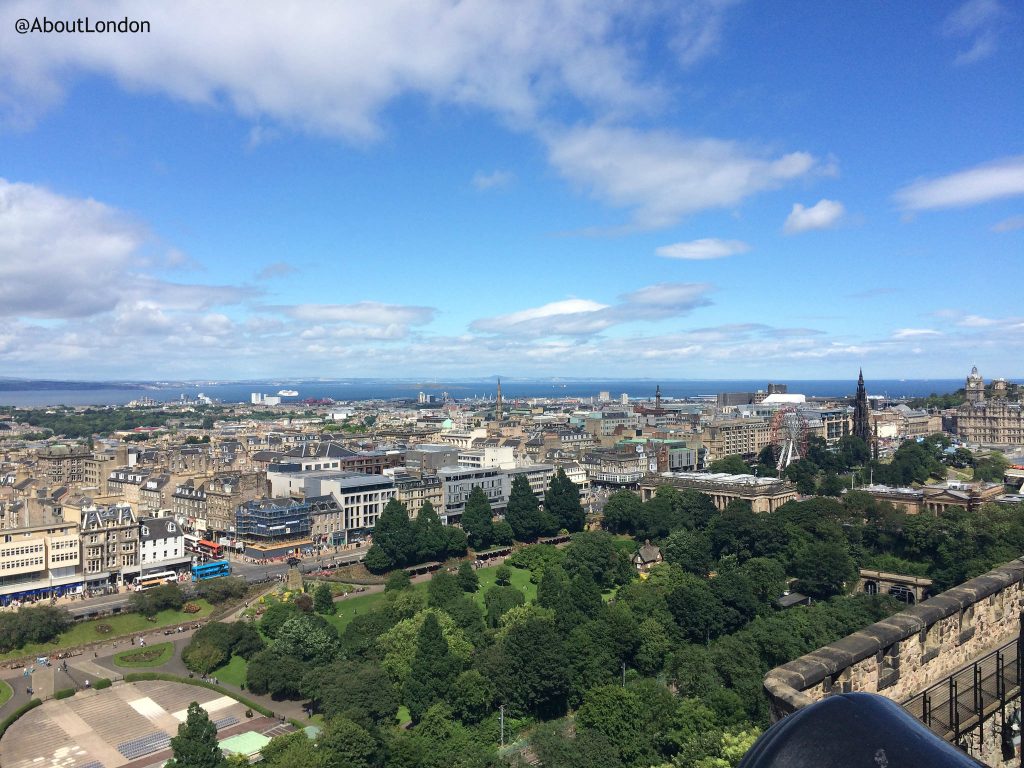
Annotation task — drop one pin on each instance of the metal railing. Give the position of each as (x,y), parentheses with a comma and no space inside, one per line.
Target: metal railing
(966,699)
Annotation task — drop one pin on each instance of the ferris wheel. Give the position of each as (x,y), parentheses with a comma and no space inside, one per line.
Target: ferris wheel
(789,436)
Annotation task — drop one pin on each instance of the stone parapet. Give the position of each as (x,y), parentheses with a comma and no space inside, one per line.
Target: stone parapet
(905,653)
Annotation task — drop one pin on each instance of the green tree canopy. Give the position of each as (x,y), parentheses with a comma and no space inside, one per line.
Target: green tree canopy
(562,500)
(323,600)
(432,671)
(523,512)
(478,519)
(196,745)
(732,464)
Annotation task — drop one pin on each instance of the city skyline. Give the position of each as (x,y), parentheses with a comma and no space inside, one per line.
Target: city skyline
(698,190)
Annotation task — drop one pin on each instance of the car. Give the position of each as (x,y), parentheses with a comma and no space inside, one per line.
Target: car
(293,561)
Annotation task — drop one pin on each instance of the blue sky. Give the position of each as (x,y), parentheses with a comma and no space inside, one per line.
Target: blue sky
(560,188)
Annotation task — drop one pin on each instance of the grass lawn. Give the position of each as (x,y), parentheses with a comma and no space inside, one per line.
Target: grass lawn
(404,718)
(150,656)
(520,580)
(348,608)
(122,625)
(5,692)
(233,672)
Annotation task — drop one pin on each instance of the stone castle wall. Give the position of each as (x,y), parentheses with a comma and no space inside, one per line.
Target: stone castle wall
(911,650)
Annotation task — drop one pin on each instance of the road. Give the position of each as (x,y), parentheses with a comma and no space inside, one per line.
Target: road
(251,572)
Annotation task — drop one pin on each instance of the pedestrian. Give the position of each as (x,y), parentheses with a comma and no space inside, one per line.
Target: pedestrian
(87,683)
(133,641)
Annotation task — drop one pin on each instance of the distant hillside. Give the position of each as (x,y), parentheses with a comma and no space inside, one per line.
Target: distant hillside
(22,385)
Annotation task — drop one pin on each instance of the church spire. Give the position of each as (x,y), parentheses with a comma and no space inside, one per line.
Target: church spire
(497,403)
(861,425)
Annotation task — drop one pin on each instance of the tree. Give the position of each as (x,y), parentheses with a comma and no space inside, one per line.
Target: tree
(523,511)
(478,519)
(467,578)
(222,589)
(503,575)
(471,697)
(196,745)
(309,638)
(433,670)
(442,589)
(273,672)
(347,745)
(823,568)
(503,534)
(498,600)
(696,609)
(616,713)
(396,647)
(732,464)
(395,535)
(622,512)
(323,600)
(596,552)
(533,676)
(377,560)
(274,618)
(246,640)
(562,501)
(832,485)
(397,581)
(991,468)
(690,550)
(654,647)
(361,692)
(293,750)
(431,541)
(203,657)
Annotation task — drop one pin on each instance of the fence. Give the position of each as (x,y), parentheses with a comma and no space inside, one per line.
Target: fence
(966,699)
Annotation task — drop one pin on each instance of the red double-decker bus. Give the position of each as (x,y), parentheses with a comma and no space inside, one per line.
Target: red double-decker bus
(210,550)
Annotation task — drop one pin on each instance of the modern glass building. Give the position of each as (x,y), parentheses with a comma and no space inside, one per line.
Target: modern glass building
(273,521)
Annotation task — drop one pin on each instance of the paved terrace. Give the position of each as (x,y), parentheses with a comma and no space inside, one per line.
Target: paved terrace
(127,724)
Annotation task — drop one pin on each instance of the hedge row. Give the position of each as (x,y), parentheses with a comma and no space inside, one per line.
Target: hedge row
(134,677)
(103,682)
(9,720)
(64,693)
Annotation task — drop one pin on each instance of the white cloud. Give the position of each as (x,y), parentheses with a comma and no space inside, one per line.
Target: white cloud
(980,184)
(332,68)
(910,333)
(662,176)
(977,321)
(824,214)
(1009,224)
(361,313)
(65,257)
(568,317)
(979,22)
(61,256)
(583,317)
(493,180)
(705,248)
(277,269)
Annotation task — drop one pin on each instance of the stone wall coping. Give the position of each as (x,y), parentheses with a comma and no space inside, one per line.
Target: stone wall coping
(787,682)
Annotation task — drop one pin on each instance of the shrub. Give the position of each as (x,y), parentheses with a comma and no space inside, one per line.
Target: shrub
(103,682)
(104,629)
(191,608)
(64,693)
(203,657)
(222,589)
